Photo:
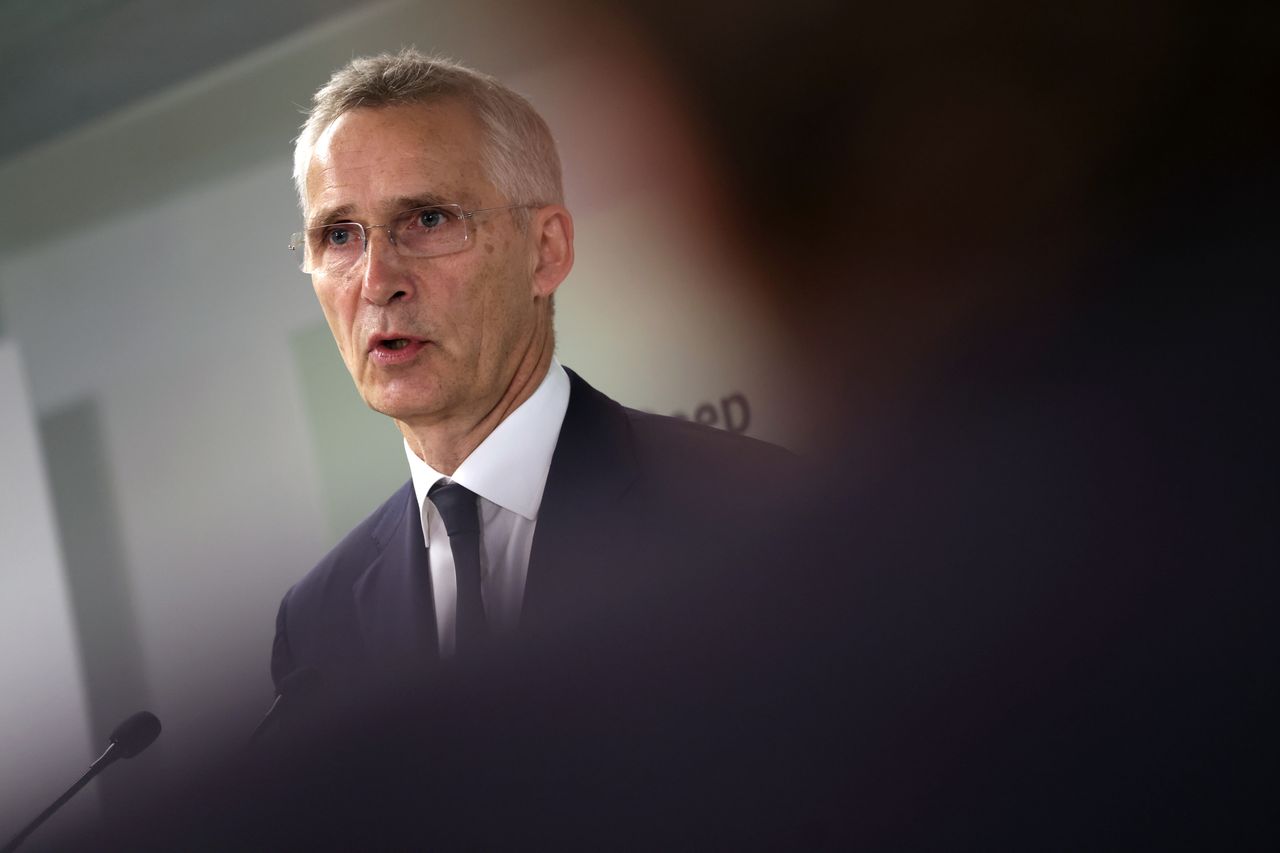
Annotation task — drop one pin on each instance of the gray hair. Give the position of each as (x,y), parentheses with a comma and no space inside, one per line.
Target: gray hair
(520,155)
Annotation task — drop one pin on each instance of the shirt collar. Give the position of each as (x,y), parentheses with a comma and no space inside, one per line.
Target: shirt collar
(509,468)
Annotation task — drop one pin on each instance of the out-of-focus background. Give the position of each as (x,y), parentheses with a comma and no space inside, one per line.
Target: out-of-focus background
(1038,240)
(180,439)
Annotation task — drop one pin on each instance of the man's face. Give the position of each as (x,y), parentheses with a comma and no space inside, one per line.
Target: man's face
(469,317)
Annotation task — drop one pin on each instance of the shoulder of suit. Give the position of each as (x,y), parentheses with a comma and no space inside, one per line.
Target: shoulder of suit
(705,462)
(677,433)
(662,442)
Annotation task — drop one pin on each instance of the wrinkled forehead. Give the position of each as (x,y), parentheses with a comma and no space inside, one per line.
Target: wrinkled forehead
(371,160)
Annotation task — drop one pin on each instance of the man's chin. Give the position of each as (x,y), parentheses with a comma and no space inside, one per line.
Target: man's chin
(402,404)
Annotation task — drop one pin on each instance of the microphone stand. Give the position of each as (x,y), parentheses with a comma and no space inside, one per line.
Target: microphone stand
(95,768)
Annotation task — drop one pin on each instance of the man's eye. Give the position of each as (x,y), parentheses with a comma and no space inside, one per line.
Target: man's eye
(337,236)
(431,218)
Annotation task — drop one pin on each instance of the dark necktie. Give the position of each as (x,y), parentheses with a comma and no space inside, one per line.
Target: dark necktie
(457,507)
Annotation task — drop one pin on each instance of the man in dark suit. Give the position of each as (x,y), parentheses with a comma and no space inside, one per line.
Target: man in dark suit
(539,510)
(538,622)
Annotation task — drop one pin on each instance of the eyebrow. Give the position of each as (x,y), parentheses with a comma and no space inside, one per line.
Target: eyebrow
(342,213)
(424,200)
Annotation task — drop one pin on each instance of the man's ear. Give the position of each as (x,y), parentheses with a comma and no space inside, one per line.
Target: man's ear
(551,233)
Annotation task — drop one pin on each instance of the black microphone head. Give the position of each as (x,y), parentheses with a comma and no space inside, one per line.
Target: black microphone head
(136,734)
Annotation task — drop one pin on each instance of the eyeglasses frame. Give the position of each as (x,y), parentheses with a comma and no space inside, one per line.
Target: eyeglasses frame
(297,239)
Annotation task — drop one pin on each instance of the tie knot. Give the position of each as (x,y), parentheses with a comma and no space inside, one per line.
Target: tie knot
(457,506)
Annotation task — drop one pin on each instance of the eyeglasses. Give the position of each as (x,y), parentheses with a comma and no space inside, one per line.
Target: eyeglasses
(423,232)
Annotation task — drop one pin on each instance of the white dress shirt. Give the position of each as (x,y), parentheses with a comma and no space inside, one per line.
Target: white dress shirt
(508,471)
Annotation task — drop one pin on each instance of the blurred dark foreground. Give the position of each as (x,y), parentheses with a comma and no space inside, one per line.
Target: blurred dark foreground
(1028,261)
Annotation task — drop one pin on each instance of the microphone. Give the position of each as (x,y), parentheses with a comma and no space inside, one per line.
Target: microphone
(294,687)
(127,740)
(131,737)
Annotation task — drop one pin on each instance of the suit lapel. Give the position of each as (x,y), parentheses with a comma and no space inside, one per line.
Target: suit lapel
(592,468)
(393,596)
(578,534)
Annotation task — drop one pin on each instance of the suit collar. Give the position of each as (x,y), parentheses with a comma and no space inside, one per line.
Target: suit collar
(509,468)
(594,458)
(393,594)
(596,453)
(593,467)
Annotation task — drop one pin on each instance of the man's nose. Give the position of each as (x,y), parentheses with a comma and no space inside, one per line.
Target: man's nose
(386,277)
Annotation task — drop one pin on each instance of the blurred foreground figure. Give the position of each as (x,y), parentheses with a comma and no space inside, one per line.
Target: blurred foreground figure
(1026,262)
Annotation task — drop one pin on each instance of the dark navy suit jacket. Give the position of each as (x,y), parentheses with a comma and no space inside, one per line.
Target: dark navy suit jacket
(626,698)
(638,510)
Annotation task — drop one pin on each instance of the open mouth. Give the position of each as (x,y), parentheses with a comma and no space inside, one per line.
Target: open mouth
(395,350)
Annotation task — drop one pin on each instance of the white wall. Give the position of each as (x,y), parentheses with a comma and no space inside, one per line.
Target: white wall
(44,731)
(145,273)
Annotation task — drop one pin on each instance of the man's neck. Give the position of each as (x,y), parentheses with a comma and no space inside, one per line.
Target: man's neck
(445,445)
